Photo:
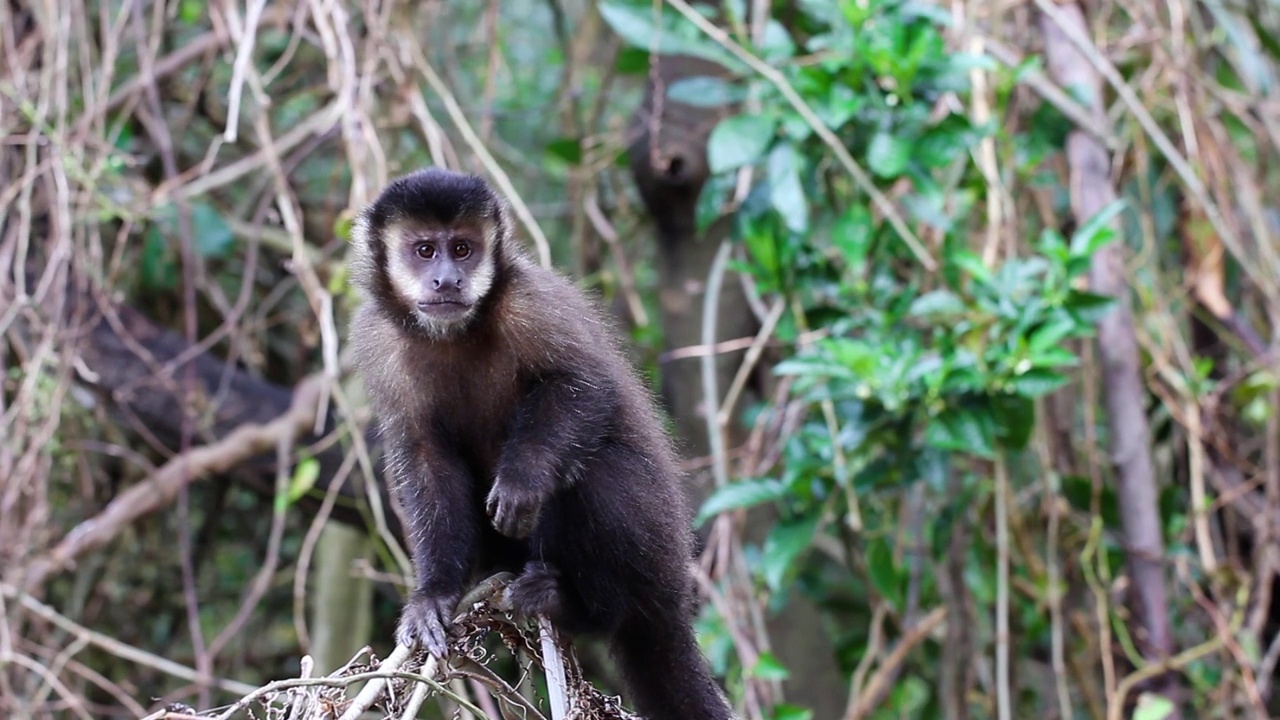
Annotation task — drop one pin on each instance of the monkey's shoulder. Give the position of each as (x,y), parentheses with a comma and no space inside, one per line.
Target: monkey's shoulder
(547,319)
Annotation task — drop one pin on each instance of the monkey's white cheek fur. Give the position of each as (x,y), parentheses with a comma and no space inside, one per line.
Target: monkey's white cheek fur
(404,279)
(481,280)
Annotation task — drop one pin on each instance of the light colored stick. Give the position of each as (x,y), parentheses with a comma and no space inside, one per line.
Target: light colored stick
(416,699)
(553,663)
(373,690)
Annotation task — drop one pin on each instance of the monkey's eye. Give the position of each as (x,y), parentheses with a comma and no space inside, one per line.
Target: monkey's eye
(461,250)
(426,251)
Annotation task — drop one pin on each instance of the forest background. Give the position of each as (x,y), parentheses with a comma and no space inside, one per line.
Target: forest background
(963,314)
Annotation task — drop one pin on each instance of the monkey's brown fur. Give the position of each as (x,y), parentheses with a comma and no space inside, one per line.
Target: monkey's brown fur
(518,437)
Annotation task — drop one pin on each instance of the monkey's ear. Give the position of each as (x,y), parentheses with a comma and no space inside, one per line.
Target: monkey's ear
(502,228)
(360,229)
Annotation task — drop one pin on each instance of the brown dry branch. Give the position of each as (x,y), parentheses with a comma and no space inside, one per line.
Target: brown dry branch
(880,683)
(112,645)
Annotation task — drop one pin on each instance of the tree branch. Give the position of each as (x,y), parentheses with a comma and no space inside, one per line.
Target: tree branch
(162,486)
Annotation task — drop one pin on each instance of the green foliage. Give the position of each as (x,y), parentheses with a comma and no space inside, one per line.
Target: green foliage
(304,478)
(739,140)
(667,34)
(930,376)
(1152,707)
(211,238)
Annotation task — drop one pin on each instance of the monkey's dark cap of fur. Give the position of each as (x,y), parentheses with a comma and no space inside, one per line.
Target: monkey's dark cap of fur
(434,193)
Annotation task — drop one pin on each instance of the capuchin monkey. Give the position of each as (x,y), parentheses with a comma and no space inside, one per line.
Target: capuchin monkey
(519,438)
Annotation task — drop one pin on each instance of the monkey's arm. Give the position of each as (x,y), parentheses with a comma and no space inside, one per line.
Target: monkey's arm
(433,487)
(562,418)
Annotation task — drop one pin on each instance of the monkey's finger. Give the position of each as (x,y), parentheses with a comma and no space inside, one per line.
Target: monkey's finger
(435,634)
(405,636)
(502,519)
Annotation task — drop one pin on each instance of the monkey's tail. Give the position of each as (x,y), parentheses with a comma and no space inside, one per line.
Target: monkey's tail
(667,675)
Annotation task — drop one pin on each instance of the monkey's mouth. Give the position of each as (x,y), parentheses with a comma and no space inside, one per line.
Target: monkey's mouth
(443,307)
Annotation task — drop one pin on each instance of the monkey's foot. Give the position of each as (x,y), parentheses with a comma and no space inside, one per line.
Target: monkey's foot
(424,622)
(535,592)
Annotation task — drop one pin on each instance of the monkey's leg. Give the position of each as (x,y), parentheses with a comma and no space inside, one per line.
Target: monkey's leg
(433,488)
(554,425)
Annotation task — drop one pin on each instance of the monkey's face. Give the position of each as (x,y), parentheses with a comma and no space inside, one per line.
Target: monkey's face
(440,272)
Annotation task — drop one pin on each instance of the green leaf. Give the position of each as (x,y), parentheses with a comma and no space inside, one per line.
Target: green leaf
(1050,334)
(1054,357)
(1152,707)
(1079,492)
(852,235)
(963,430)
(340,281)
(786,194)
(741,494)
(342,226)
(964,62)
(937,304)
(783,545)
(768,667)
(1052,243)
(159,269)
(1257,411)
(1015,417)
(304,478)
(566,149)
(1036,382)
(763,247)
(856,11)
(211,235)
(884,573)
(739,140)
(705,91)
(632,61)
(191,11)
(969,262)
(888,154)
(947,141)
(1087,307)
(1265,37)
(856,355)
(1096,231)
(815,367)
(783,711)
(635,25)
(776,44)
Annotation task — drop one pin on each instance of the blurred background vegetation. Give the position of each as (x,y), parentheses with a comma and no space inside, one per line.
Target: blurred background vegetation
(963,315)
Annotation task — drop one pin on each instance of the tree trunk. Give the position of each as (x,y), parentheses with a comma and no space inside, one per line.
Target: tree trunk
(668,161)
(1126,396)
(341,602)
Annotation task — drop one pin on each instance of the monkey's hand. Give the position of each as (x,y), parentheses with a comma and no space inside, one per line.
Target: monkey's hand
(535,592)
(425,621)
(514,507)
